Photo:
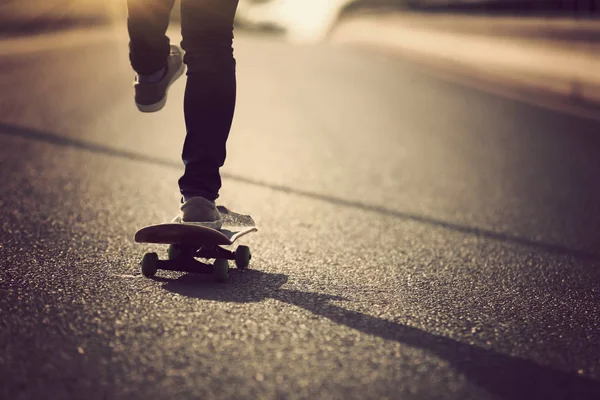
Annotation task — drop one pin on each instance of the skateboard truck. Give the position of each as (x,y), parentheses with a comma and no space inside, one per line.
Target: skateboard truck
(183,259)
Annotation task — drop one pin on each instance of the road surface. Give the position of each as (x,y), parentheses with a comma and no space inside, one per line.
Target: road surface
(417,239)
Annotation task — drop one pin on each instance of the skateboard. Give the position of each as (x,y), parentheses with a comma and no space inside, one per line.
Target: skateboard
(188,242)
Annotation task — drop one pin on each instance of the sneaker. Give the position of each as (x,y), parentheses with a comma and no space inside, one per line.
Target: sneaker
(199,211)
(152,96)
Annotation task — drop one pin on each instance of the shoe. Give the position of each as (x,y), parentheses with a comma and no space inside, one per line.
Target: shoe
(199,211)
(152,96)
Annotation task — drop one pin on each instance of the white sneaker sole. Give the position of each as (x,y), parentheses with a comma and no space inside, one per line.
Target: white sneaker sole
(213,225)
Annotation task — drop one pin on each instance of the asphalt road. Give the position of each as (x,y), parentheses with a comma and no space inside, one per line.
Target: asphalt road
(417,239)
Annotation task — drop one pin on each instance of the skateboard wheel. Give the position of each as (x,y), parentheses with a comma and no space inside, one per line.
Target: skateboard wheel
(149,264)
(221,270)
(242,257)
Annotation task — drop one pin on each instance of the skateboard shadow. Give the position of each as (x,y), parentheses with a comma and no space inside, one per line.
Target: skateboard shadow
(503,375)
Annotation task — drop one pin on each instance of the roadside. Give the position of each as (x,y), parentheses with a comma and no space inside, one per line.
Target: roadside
(31,17)
(548,58)
(553,60)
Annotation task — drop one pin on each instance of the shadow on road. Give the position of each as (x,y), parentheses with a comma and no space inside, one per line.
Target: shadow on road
(505,376)
(55,139)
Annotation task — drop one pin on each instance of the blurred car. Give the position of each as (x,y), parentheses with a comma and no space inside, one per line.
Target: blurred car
(300,20)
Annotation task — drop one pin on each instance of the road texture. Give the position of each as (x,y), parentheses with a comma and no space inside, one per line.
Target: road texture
(417,239)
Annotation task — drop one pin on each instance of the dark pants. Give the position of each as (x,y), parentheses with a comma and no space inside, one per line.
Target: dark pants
(207,30)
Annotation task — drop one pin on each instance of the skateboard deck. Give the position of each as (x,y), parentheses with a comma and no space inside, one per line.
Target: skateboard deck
(234,226)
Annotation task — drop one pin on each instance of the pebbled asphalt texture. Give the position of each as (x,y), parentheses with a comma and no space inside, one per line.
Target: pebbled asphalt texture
(417,239)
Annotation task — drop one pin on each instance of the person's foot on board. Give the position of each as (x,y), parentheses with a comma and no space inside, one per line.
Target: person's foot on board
(199,211)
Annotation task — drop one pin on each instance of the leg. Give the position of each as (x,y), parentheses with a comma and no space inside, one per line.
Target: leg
(207,29)
(157,63)
(147,23)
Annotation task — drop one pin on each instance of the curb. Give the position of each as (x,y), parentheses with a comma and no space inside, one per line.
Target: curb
(567,70)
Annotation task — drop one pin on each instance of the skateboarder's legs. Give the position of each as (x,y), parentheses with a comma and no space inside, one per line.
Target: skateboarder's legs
(210,94)
(207,30)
